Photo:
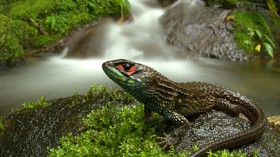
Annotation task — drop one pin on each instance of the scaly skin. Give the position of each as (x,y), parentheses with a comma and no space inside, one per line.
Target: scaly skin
(174,101)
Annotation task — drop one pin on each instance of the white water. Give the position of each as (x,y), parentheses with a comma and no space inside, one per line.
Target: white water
(142,41)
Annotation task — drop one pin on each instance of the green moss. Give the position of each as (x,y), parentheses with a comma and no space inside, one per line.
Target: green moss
(42,40)
(250,30)
(30,8)
(112,131)
(56,17)
(12,42)
(59,17)
(227,153)
(16,37)
(41,102)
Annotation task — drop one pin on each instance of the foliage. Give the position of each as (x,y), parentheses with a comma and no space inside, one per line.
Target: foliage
(41,102)
(226,153)
(252,33)
(1,123)
(42,40)
(15,37)
(59,17)
(264,43)
(117,130)
(112,131)
(56,17)
(25,9)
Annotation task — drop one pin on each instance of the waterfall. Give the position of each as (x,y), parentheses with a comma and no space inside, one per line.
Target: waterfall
(142,38)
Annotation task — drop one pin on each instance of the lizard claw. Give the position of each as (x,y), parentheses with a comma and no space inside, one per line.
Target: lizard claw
(168,140)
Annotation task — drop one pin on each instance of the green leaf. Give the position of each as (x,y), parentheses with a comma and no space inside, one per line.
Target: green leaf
(271,42)
(268,49)
(91,5)
(259,34)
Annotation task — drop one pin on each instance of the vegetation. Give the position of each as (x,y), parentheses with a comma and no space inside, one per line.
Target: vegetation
(41,102)
(1,123)
(252,33)
(119,131)
(113,131)
(13,40)
(37,23)
(227,153)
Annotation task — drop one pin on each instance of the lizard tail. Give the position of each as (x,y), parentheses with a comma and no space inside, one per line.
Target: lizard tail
(255,114)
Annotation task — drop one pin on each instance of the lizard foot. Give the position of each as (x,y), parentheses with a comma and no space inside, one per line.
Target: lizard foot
(168,140)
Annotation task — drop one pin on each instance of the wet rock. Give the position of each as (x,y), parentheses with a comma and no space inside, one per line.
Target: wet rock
(31,132)
(215,125)
(87,41)
(197,30)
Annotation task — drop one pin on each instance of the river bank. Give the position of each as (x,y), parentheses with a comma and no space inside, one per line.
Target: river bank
(29,25)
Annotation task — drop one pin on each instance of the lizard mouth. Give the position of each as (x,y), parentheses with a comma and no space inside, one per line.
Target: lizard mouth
(120,77)
(113,73)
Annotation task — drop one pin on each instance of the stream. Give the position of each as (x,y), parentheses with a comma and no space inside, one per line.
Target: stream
(142,41)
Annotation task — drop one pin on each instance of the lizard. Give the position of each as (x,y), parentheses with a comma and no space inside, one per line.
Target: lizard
(175,101)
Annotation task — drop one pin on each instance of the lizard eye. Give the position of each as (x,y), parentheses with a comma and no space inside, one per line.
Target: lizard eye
(128,68)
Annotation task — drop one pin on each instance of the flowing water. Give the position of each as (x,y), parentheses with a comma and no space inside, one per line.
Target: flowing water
(142,41)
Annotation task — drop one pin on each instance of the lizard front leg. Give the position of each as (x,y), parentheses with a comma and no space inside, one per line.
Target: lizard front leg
(171,139)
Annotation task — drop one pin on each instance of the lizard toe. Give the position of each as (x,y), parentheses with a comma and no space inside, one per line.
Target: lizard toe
(167,141)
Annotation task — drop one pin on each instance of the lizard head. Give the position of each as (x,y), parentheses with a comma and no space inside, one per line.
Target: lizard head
(128,74)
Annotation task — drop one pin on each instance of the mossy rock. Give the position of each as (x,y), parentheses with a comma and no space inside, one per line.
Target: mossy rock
(244,24)
(105,122)
(16,36)
(33,24)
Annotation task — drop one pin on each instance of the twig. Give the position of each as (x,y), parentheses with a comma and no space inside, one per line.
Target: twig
(41,29)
